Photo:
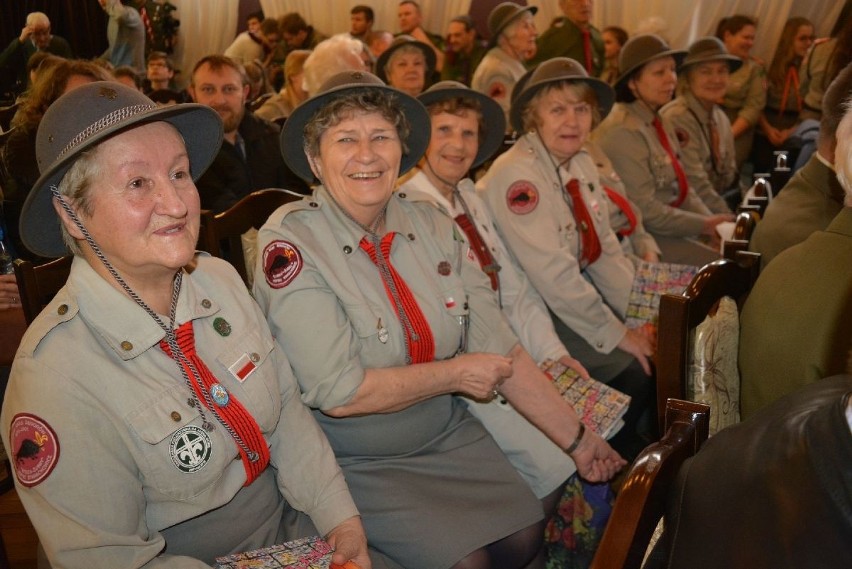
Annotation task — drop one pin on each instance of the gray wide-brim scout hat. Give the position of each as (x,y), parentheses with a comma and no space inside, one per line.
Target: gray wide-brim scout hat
(292,134)
(87,116)
(492,115)
(552,71)
(638,51)
(397,43)
(706,49)
(502,15)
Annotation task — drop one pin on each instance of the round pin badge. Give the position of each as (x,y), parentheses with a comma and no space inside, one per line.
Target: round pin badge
(190,448)
(35,449)
(281,263)
(522,197)
(682,136)
(444,268)
(219,395)
(222,326)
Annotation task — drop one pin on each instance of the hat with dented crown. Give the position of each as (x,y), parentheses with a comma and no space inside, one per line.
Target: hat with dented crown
(86,116)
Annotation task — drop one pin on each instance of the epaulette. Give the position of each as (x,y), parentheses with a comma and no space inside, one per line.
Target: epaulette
(308,203)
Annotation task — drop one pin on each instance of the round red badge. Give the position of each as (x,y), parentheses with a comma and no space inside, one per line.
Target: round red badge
(522,197)
(682,136)
(35,448)
(281,263)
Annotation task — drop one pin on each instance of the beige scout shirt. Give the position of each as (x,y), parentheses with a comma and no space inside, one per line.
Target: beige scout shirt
(629,139)
(746,95)
(496,76)
(530,208)
(333,312)
(691,122)
(90,367)
(812,78)
(522,305)
(640,242)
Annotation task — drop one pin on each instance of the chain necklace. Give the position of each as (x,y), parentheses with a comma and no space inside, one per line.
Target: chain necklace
(384,270)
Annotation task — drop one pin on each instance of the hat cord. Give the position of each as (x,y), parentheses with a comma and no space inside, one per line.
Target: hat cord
(177,353)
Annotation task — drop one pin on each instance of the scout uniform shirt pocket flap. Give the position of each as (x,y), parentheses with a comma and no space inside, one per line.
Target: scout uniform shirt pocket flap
(172,444)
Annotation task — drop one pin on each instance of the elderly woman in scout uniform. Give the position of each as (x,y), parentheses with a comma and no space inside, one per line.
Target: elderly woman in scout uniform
(407,64)
(467,128)
(702,128)
(513,34)
(403,318)
(644,150)
(150,417)
(547,201)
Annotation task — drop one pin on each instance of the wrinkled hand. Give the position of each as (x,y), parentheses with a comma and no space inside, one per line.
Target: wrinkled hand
(639,346)
(479,374)
(25,34)
(10,297)
(574,364)
(350,543)
(595,459)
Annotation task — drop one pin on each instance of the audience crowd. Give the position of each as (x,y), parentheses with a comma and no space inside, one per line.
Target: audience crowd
(466,209)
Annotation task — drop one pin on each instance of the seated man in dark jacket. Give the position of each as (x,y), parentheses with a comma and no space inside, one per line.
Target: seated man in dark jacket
(250,158)
(772,492)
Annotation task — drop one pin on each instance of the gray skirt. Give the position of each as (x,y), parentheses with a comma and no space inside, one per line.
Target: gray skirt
(433,506)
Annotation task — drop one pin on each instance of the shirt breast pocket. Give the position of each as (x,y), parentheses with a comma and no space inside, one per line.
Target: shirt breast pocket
(176,455)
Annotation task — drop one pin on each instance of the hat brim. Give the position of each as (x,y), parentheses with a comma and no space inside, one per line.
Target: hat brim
(492,116)
(734,62)
(199,125)
(492,41)
(523,93)
(428,53)
(293,133)
(620,85)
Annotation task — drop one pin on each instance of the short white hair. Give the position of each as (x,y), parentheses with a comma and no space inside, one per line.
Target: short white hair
(340,52)
(38,19)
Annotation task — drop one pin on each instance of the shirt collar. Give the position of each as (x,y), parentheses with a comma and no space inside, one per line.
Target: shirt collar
(122,324)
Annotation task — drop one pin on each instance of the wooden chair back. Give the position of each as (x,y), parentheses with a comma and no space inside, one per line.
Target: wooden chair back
(38,284)
(641,502)
(680,314)
(744,226)
(221,233)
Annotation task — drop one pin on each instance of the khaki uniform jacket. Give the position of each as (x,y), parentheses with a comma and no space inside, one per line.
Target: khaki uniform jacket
(691,123)
(496,77)
(640,241)
(808,203)
(746,95)
(629,139)
(544,238)
(91,368)
(564,39)
(796,325)
(812,78)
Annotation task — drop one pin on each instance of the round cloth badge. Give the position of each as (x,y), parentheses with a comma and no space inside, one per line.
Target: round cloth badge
(682,136)
(281,263)
(522,197)
(444,268)
(190,448)
(35,448)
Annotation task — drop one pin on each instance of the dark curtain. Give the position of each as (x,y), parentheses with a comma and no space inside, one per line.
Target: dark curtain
(81,22)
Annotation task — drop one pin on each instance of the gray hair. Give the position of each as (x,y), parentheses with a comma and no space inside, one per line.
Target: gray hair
(38,18)
(340,52)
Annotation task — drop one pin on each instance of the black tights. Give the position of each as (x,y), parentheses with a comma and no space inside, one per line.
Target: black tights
(521,550)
